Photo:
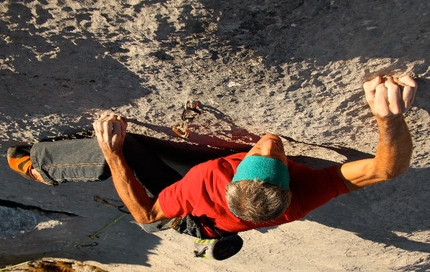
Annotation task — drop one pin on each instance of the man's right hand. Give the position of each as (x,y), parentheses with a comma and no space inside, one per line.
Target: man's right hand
(389,97)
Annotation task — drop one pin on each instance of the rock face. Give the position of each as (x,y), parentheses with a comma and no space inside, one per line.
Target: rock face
(293,68)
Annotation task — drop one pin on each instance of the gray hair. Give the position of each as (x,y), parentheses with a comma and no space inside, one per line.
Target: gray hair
(257,201)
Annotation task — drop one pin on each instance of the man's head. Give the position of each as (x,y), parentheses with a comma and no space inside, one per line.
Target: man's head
(259,190)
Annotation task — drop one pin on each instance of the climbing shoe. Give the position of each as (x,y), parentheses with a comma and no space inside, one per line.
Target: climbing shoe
(19,161)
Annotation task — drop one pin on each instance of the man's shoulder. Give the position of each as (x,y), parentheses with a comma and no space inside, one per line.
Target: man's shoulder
(230,161)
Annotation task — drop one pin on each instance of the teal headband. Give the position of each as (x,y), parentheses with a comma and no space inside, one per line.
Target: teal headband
(265,169)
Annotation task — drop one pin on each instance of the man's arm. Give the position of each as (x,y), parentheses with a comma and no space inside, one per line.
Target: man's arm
(388,100)
(110,131)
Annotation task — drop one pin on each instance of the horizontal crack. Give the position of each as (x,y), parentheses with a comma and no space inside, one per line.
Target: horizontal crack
(12,204)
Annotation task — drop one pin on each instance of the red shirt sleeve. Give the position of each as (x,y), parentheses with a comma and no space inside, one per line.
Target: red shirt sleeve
(312,188)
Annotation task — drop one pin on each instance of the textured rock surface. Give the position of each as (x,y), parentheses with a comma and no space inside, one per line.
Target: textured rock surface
(293,68)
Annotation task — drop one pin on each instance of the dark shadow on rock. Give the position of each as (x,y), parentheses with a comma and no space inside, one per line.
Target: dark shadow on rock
(422,98)
(345,30)
(184,153)
(51,66)
(376,213)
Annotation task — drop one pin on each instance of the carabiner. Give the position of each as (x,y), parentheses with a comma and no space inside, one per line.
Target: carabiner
(181,130)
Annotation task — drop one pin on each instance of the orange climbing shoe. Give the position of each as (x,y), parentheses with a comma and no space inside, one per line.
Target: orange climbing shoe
(18,159)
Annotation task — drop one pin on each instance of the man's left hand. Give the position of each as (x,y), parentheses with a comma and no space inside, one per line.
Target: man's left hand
(390,96)
(110,131)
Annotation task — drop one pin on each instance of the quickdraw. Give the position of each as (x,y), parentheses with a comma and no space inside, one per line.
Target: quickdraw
(190,106)
(191,110)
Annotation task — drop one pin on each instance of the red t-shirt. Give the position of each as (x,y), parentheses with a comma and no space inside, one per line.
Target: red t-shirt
(202,192)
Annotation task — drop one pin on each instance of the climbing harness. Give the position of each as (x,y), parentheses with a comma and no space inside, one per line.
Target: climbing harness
(221,248)
(191,110)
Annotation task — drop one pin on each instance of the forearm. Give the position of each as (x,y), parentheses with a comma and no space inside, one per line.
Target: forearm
(394,149)
(110,130)
(131,192)
(392,156)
